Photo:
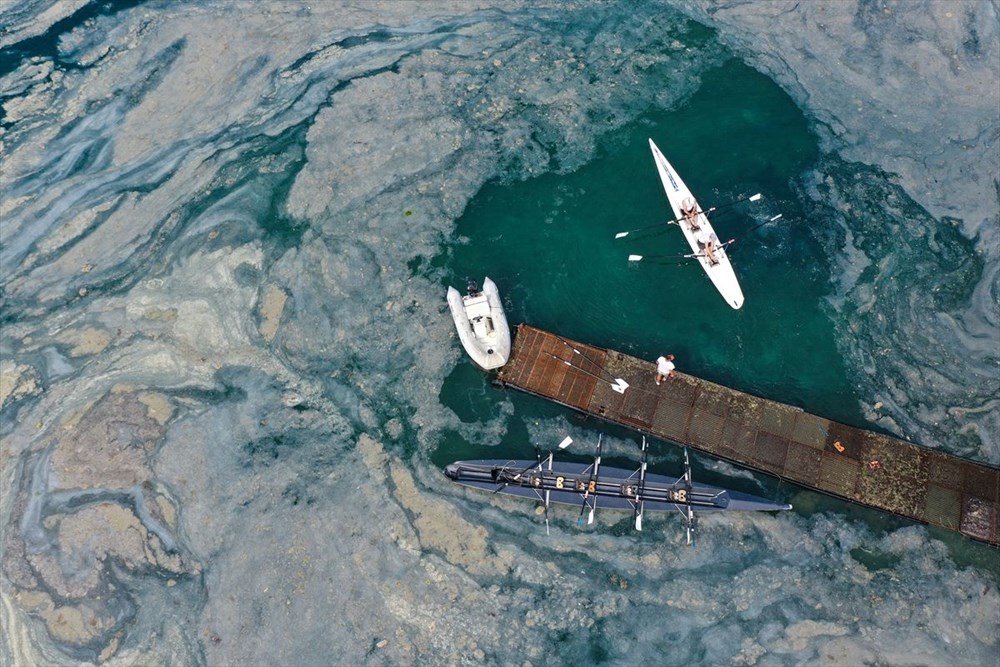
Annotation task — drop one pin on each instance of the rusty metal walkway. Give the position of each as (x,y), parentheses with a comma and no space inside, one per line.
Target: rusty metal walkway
(857,465)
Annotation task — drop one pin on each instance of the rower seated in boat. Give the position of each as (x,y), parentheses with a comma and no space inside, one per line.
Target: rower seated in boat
(707,244)
(689,208)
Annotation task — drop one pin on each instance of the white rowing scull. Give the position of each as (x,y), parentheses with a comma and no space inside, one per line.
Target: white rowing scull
(705,244)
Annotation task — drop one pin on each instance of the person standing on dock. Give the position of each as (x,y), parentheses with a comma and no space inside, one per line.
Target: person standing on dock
(664,368)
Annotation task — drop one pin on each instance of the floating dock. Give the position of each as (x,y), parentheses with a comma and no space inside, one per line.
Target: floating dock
(861,466)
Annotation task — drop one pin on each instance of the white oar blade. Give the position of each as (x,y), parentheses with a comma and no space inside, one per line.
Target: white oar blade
(621,235)
(590,517)
(756,197)
(635,258)
(638,521)
(547,501)
(777,217)
(619,385)
(567,441)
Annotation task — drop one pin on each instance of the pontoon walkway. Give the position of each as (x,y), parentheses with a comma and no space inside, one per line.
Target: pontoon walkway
(857,465)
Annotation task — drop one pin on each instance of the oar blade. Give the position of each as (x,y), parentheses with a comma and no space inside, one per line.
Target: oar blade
(756,197)
(635,258)
(621,235)
(547,505)
(566,442)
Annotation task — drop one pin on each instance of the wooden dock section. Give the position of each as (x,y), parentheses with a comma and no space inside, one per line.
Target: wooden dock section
(861,466)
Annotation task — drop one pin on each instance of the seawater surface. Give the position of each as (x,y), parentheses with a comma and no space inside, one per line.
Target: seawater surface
(229,378)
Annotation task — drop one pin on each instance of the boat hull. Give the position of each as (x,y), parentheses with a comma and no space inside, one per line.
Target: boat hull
(659,492)
(481,325)
(721,274)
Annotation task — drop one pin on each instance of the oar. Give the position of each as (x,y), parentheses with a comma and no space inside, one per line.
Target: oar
(621,235)
(688,484)
(639,500)
(662,262)
(618,381)
(564,443)
(619,385)
(639,258)
(756,197)
(752,229)
(690,520)
(594,472)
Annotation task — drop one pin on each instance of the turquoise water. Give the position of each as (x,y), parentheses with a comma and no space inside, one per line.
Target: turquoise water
(548,243)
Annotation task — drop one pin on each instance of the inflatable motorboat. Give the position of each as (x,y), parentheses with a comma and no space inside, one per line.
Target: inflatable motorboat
(481,324)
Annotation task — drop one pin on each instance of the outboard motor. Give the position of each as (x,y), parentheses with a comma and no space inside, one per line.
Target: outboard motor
(471,287)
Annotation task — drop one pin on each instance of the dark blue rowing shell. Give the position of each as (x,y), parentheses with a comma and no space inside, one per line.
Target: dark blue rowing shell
(617,488)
